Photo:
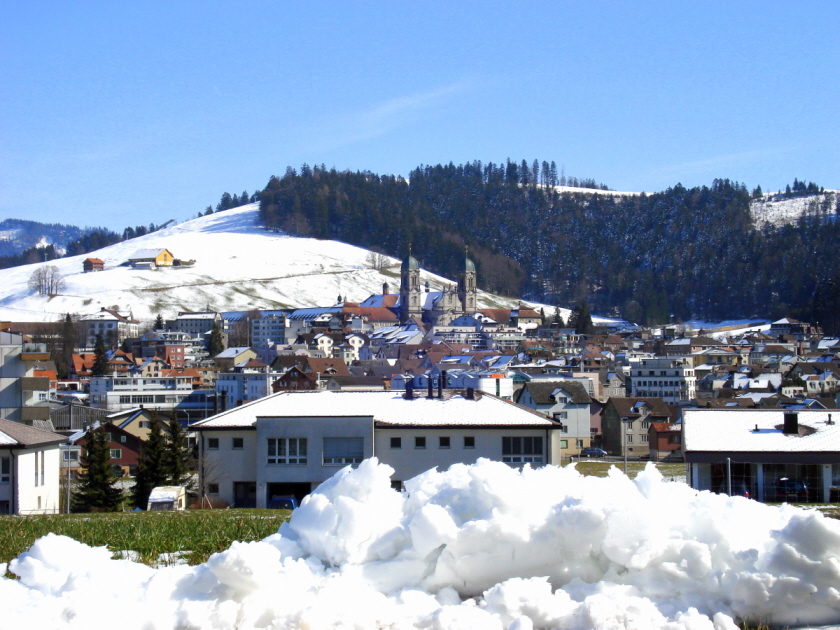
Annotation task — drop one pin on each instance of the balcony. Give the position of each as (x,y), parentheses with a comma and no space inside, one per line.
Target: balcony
(35,383)
(34,352)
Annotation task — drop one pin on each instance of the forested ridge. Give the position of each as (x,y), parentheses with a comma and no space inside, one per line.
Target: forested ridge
(679,253)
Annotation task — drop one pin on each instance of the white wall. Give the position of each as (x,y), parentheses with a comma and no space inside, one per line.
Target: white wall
(46,489)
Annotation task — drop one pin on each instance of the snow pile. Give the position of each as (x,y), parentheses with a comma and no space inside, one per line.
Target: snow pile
(481,546)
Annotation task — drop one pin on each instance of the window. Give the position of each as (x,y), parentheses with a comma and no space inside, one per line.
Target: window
(107,437)
(342,451)
(238,443)
(564,428)
(578,443)
(443,442)
(396,442)
(36,467)
(469,441)
(420,442)
(521,450)
(212,488)
(288,451)
(70,456)
(116,453)
(644,438)
(122,438)
(213,443)
(5,469)
(42,468)
(144,424)
(564,443)
(560,415)
(674,439)
(629,438)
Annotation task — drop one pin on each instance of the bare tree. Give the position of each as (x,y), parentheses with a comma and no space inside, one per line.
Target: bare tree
(47,280)
(377,260)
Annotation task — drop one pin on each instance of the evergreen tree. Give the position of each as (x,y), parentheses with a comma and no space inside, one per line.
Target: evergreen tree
(159,322)
(557,320)
(152,467)
(215,344)
(96,491)
(66,346)
(179,455)
(100,357)
(582,320)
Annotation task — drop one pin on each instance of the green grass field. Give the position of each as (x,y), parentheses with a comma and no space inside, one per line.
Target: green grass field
(155,537)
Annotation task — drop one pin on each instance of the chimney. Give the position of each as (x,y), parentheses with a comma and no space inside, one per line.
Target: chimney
(444,378)
(470,393)
(431,393)
(791,423)
(409,390)
(440,386)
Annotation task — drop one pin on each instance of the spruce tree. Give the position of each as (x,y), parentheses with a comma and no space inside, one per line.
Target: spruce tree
(96,491)
(152,468)
(216,344)
(100,357)
(179,455)
(159,322)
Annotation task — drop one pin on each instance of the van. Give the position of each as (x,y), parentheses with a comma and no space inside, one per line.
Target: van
(167,498)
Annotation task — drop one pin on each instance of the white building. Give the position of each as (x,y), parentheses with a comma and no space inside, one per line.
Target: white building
(249,381)
(290,442)
(114,326)
(20,390)
(117,393)
(29,469)
(672,380)
(568,404)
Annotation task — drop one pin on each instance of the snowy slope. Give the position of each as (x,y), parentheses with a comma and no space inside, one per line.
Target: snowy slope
(238,266)
(778,211)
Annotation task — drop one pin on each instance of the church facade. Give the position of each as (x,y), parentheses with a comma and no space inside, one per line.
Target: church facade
(436,307)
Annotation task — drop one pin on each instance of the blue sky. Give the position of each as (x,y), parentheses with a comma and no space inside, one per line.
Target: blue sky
(119,114)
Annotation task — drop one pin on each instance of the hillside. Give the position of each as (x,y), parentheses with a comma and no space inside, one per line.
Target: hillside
(238,266)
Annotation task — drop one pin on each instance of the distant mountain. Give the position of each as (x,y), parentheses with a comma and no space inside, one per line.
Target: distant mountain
(17,235)
(231,264)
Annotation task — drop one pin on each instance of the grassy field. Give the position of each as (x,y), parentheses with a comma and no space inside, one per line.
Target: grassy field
(155,537)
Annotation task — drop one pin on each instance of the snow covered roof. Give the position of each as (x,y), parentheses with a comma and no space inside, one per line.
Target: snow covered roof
(386,407)
(734,430)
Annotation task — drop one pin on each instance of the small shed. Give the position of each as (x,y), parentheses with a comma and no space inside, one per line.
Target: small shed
(151,258)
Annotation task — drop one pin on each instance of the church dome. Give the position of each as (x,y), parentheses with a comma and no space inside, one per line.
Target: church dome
(410,262)
(469,265)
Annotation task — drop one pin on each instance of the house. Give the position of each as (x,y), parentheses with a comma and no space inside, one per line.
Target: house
(151,258)
(93,264)
(566,403)
(249,380)
(227,359)
(29,469)
(114,326)
(665,441)
(123,446)
(294,379)
(290,442)
(775,455)
(625,423)
(672,380)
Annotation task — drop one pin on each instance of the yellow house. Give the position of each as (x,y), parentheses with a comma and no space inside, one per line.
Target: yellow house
(152,257)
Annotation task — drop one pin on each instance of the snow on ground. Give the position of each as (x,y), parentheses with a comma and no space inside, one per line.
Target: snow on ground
(238,266)
(779,211)
(478,546)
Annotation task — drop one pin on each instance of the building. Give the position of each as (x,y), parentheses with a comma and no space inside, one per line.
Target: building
(436,307)
(93,264)
(625,424)
(250,380)
(774,455)
(672,380)
(164,392)
(114,326)
(290,442)
(29,469)
(22,394)
(151,258)
(567,403)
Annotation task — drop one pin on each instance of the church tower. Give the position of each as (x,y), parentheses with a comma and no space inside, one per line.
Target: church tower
(468,289)
(410,293)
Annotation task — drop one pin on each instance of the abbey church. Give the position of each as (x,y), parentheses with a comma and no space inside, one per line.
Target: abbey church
(435,307)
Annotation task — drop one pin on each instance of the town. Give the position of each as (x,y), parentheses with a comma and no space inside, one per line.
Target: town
(274,402)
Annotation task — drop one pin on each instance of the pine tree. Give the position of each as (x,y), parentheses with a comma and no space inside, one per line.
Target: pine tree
(152,467)
(179,455)
(159,322)
(96,491)
(100,357)
(215,344)
(582,320)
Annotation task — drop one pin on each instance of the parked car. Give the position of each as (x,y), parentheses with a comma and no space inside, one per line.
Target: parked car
(591,451)
(167,498)
(286,502)
(790,490)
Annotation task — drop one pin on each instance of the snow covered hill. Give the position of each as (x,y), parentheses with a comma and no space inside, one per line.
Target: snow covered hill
(238,266)
(778,211)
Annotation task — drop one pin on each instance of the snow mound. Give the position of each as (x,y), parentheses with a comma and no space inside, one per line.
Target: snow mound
(481,546)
